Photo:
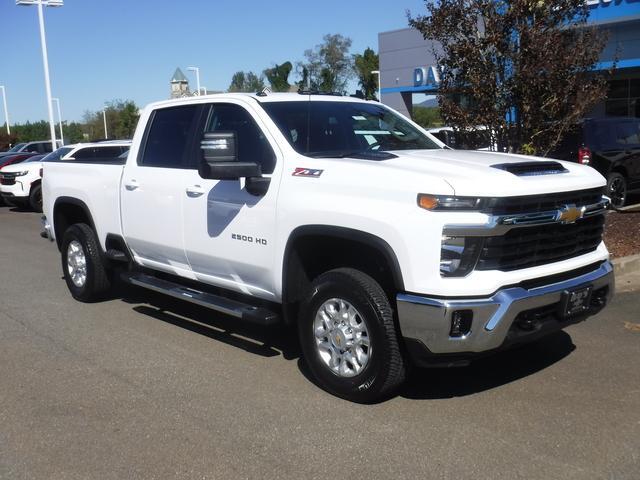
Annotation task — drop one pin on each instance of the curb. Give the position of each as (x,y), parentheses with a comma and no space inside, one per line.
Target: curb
(624,265)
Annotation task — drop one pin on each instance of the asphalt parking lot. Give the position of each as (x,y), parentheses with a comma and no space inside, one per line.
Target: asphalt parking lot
(146,387)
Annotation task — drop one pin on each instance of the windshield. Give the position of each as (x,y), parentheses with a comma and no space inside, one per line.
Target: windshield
(340,129)
(16,147)
(56,154)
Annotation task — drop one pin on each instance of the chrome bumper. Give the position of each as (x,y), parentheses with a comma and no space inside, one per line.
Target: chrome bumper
(428,320)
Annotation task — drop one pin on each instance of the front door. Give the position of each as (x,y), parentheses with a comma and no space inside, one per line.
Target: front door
(153,190)
(229,233)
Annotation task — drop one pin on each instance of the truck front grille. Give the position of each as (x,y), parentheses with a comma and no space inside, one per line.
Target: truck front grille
(544,203)
(527,247)
(6,180)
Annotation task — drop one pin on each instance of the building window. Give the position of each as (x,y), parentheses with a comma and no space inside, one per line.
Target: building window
(623,98)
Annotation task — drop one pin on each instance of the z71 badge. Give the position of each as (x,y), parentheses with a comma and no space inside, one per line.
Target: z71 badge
(307,172)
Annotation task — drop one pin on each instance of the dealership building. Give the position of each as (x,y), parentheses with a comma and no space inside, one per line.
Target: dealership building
(407,64)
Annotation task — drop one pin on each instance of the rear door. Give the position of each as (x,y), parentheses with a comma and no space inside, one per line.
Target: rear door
(153,190)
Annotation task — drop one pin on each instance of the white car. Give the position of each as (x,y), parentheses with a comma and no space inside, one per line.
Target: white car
(344,219)
(20,183)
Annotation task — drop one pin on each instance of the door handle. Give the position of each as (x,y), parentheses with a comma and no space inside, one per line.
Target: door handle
(131,184)
(195,191)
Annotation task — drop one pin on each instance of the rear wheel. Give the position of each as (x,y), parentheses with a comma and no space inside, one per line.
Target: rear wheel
(348,337)
(82,264)
(617,189)
(35,198)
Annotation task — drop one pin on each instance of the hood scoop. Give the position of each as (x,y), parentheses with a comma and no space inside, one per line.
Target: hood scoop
(529,169)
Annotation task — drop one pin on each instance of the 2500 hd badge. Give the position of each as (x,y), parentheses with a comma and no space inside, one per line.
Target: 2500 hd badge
(249,239)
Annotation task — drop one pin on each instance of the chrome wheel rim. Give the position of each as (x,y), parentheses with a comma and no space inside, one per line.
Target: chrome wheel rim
(76,263)
(617,192)
(342,338)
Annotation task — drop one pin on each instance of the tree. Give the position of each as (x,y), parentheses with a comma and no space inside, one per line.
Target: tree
(278,77)
(328,66)
(364,64)
(246,82)
(524,68)
(427,116)
(122,118)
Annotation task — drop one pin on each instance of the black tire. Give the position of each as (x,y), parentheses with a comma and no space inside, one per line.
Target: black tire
(385,370)
(96,283)
(35,198)
(617,189)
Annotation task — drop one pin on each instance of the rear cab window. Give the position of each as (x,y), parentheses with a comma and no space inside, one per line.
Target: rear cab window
(168,136)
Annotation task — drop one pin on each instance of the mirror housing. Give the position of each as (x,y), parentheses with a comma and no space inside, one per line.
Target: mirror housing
(219,147)
(220,158)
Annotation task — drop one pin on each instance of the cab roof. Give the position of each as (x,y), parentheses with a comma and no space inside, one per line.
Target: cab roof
(259,97)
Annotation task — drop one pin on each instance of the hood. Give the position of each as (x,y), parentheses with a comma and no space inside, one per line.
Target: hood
(479,173)
(21,167)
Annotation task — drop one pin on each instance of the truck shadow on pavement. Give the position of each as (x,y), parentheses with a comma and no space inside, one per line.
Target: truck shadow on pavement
(488,372)
(263,341)
(422,384)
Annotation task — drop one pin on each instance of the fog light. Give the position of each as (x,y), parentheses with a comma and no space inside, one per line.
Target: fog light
(458,255)
(461,323)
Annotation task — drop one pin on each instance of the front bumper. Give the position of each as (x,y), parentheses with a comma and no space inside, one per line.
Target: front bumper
(511,315)
(14,191)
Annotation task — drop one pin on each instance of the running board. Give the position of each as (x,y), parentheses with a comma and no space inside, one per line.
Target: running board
(234,308)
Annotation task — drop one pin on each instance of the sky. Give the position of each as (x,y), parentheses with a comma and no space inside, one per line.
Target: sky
(101,50)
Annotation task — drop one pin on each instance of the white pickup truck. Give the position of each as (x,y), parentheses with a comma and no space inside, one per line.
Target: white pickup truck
(344,219)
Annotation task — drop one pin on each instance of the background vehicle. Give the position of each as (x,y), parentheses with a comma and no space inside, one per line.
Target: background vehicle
(41,147)
(612,147)
(12,159)
(343,218)
(20,184)
(476,139)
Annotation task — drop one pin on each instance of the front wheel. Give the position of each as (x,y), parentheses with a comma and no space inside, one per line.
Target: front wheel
(348,337)
(82,264)
(35,198)
(617,189)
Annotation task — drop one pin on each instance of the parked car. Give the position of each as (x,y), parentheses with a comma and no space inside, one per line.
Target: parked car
(41,147)
(611,145)
(20,184)
(341,217)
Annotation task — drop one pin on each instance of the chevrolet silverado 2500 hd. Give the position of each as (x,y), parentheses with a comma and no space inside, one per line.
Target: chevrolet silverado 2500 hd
(344,219)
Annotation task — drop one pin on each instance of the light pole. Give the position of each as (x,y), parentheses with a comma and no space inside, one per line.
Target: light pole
(104,118)
(377,73)
(45,59)
(57,100)
(6,112)
(197,70)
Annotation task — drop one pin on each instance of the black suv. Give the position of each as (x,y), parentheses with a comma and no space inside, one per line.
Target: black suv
(611,145)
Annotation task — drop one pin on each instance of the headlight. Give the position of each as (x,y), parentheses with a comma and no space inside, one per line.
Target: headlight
(458,255)
(21,174)
(444,202)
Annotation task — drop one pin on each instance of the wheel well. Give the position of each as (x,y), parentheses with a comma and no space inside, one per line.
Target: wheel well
(620,169)
(67,213)
(310,253)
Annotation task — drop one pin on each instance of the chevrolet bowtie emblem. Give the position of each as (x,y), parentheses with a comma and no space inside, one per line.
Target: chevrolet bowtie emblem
(570,213)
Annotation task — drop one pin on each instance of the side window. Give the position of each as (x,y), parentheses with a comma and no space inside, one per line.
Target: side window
(32,148)
(108,152)
(84,154)
(168,136)
(252,145)
(46,148)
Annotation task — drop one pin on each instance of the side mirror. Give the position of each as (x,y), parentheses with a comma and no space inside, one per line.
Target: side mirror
(220,158)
